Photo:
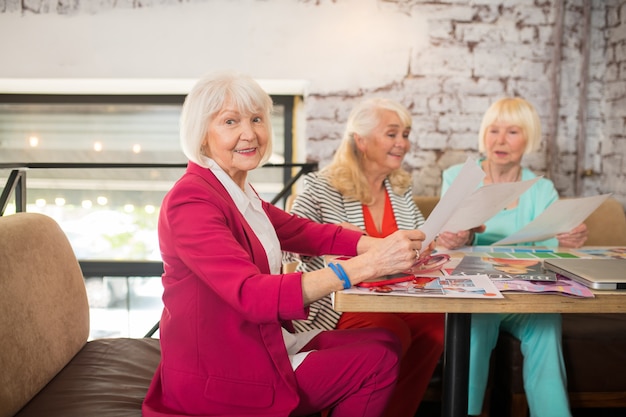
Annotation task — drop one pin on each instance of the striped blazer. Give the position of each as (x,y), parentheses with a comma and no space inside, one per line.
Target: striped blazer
(322,203)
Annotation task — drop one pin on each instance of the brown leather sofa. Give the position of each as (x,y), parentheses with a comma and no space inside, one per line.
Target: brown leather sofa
(47,366)
(594,345)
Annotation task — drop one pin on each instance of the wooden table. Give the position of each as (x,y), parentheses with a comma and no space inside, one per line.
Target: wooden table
(456,352)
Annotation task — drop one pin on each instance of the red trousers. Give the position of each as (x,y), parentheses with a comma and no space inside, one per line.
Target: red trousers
(422,338)
(351,372)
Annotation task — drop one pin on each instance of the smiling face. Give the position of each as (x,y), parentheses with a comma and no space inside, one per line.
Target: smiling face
(505,143)
(237,141)
(384,148)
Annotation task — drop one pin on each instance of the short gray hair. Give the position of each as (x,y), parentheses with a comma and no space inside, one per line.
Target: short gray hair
(515,111)
(207,98)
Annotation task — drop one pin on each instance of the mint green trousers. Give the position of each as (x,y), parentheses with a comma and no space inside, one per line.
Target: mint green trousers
(545,380)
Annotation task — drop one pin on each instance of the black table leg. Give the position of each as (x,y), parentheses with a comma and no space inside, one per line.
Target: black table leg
(456,365)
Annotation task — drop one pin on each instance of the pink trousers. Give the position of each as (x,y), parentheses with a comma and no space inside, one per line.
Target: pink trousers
(351,372)
(422,339)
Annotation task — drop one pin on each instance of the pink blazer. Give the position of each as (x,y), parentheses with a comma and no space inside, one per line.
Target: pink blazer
(222,350)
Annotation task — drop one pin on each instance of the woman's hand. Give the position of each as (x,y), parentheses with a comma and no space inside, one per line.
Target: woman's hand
(395,253)
(575,238)
(456,240)
(425,252)
(451,240)
(377,257)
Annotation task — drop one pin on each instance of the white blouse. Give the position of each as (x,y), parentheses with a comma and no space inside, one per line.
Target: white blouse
(250,206)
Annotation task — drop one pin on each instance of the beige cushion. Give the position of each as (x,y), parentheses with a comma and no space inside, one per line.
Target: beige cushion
(426,204)
(44,314)
(607,225)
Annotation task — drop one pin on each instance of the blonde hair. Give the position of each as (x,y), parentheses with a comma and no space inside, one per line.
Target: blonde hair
(345,172)
(515,111)
(207,98)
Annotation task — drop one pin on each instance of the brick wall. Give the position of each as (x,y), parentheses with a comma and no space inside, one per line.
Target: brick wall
(476,52)
(481,51)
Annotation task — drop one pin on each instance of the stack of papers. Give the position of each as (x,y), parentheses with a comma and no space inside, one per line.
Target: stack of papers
(465,206)
(450,286)
(553,221)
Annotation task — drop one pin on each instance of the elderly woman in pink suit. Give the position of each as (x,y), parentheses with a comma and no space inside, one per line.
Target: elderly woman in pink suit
(227,344)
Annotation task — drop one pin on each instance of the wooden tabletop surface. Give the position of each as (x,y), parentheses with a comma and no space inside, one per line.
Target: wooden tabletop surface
(603,302)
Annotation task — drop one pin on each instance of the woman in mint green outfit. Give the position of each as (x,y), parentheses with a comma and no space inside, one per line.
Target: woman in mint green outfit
(509,130)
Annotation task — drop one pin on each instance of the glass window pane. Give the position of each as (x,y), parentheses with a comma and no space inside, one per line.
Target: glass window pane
(107,213)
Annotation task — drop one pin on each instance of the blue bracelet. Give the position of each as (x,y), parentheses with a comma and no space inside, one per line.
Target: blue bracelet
(341,274)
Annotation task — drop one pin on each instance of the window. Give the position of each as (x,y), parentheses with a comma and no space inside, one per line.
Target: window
(111,213)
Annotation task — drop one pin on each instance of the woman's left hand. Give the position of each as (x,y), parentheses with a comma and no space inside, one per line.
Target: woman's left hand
(427,251)
(450,240)
(575,238)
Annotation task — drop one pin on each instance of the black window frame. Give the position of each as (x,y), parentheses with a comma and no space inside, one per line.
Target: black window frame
(287,101)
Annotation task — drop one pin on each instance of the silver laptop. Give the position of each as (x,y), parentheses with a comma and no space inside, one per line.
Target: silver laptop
(599,274)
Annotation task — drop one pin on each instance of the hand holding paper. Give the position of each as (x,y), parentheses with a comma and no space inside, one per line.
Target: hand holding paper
(485,203)
(553,221)
(463,186)
(465,206)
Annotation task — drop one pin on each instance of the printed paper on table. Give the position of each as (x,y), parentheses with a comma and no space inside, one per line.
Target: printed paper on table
(561,286)
(450,286)
(505,274)
(496,268)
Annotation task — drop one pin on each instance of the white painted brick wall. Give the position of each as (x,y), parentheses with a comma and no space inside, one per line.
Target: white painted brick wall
(476,52)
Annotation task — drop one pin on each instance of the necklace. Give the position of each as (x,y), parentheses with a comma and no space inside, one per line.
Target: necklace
(517,177)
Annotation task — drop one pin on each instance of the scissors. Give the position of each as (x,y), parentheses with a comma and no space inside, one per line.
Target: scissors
(430,263)
(423,266)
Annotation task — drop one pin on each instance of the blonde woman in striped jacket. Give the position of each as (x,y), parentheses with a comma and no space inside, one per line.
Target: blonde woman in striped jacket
(365,188)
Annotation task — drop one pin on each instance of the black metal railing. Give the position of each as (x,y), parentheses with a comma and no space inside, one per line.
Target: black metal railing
(16,182)
(122,269)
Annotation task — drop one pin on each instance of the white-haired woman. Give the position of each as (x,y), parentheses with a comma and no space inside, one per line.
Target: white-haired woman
(509,130)
(365,187)
(227,346)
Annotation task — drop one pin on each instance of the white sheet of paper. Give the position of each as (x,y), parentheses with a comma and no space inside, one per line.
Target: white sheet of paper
(485,203)
(462,187)
(560,217)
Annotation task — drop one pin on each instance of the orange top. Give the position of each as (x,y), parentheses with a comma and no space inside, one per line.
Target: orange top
(389,220)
